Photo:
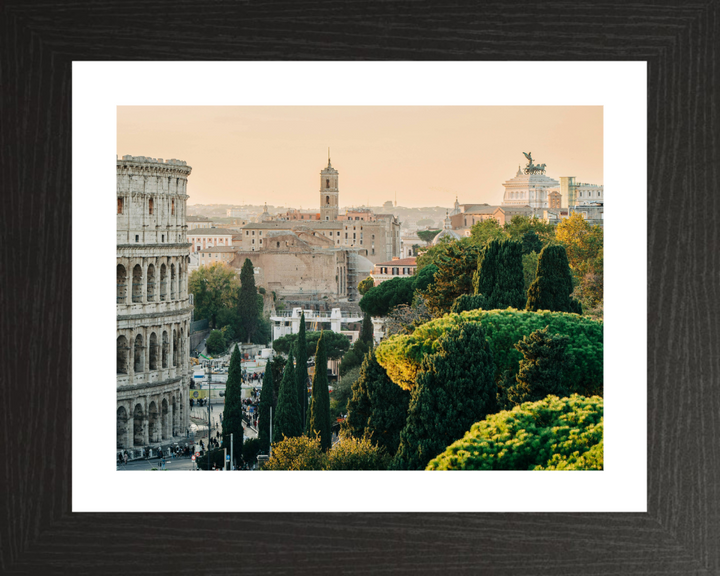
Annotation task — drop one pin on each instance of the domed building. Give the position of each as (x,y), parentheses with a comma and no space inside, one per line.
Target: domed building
(446,232)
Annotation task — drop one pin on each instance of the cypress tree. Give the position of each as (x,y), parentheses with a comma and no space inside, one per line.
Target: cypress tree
(454,388)
(286,421)
(378,407)
(366,332)
(301,374)
(267,401)
(552,286)
(232,413)
(319,413)
(541,369)
(248,302)
(531,242)
(500,277)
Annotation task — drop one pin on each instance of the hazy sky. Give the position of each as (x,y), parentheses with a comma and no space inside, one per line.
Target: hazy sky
(425,154)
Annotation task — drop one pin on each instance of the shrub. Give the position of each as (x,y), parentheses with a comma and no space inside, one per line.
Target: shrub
(551,434)
(354,454)
(401,355)
(216,342)
(297,453)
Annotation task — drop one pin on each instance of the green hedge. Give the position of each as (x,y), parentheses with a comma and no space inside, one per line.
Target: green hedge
(401,355)
(551,434)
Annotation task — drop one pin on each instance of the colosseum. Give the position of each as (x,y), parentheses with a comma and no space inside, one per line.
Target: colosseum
(153,307)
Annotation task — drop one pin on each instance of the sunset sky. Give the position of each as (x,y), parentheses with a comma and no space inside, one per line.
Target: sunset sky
(424,154)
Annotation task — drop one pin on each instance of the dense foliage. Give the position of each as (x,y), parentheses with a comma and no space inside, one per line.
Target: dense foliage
(456,262)
(378,407)
(247,302)
(319,412)
(354,357)
(301,373)
(287,421)
(366,331)
(550,434)
(541,369)
(455,388)
(216,342)
(214,289)
(296,453)
(232,413)
(365,285)
(336,344)
(356,454)
(251,448)
(553,285)
(341,393)
(499,277)
(379,300)
(401,355)
(427,236)
(267,401)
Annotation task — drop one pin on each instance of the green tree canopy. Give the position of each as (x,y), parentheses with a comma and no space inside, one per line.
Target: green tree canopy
(354,357)
(287,421)
(366,332)
(553,285)
(456,262)
(466,302)
(296,453)
(541,369)
(455,388)
(379,300)
(529,264)
(483,232)
(336,344)
(356,454)
(232,413)
(378,408)
(267,401)
(427,235)
(365,285)
(520,225)
(301,373)
(402,354)
(214,288)
(216,342)
(319,413)
(499,276)
(248,299)
(550,434)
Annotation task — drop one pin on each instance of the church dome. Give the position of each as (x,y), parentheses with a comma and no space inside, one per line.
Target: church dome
(446,232)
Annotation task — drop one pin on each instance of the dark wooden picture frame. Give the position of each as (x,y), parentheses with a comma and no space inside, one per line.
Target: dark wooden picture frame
(680,533)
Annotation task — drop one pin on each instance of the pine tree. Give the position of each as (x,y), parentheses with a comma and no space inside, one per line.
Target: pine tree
(500,277)
(552,286)
(378,407)
(301,374)
(366,332)
(531,242)
(232,413)
(319,413)
(286,422)
(454,388)
(541,369)
(248,302)
(267,401)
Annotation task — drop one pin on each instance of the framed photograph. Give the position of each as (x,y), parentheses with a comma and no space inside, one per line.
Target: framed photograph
(650,508)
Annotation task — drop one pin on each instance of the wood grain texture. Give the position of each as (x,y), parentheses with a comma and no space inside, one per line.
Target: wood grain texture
(681,532)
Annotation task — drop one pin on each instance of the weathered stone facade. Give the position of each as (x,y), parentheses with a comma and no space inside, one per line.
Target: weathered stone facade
(153,307)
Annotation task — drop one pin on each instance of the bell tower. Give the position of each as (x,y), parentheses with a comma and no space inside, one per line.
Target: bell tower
(329,192)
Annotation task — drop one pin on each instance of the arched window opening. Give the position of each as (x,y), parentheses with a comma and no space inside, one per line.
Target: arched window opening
(121,284)
(165,346)
(172,208)
(327,183)
(139,355)
(163,283)
(151,206)
(137,284)
(153,351)
(151,283)
(174,417)
(172,281)
(165,415)
(138,426)
(175,348)
(153,422)
(121,204)
(122,352)
(327,199)
(122,426)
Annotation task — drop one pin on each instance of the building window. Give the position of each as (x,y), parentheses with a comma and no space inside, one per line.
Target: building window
(327,185)
(253,234)
(120,206)
(137,238)
(163,238)
(172,208)
(150,206)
